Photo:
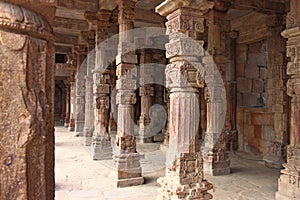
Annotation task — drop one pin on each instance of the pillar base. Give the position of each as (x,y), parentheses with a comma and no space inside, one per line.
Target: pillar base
(72,125)
(275,156)
(101,149)
(130,182)
(87,141)
(129,172)
(88,133)
(184,180)
(66,125)
(145,139)
(216,163)
(289,181)
(273,162)
(79,128)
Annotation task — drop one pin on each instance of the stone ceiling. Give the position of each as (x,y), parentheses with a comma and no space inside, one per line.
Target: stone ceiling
(69,19)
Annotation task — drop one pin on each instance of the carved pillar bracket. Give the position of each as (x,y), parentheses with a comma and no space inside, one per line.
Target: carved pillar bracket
(127,159)
(184,75)
(288,183)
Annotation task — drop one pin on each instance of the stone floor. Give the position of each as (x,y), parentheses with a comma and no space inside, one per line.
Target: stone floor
(78,177)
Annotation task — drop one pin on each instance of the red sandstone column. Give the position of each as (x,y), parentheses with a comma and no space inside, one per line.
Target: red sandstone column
(127,158)
(101,141)
(26,102)
(289,181)
(89,107)
(146,93)
(215,156)
(72,106)
(79,89)
(67,118)
(184,171)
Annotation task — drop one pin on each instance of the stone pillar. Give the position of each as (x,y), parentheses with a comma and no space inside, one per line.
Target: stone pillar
(26,102)
(72,107)
(184,75)
(145,134)
(63,105)
(146,93)
(101,142)
(80,89)
(89,107)
(67,118)
(215,157)
(166,130)
(127,159)
(289,181)
(159,113)
(112,125)
(277,97)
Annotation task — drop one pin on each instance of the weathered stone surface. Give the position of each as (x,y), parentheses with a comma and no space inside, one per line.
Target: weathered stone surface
(184,172)
(27,107)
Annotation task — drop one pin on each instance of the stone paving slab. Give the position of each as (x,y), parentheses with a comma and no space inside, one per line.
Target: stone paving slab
(78,177)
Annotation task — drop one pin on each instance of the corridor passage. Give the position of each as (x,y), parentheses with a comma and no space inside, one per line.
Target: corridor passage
(78,177)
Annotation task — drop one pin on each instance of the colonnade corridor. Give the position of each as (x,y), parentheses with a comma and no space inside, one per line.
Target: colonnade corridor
(78,177)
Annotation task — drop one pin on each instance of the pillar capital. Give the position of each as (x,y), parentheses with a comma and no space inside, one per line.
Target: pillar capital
(169,6)
(293,17)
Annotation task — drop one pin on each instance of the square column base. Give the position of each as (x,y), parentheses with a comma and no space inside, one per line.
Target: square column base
(216,164)
(184,180)
(102,149)
(87,141)
(129,172)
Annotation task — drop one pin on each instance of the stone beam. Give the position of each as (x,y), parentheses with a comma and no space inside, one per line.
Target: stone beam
(63,49)
(67,25)
(148,15)
(264,6)
(107,5)
(65,39)
(86,5)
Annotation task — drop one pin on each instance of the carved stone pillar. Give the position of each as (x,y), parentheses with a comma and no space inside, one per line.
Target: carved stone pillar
(112,125)
(67,118)
(80,89)
(289,181)
(145,134)
(101,142)
(63,105)
(184,171)
(146,93)
(26,102)
(166,129)
(127,159)
(72,107)
(89,106)
(215,157)
(277,97)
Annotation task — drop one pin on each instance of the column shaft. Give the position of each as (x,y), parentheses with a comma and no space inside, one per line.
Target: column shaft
(127,158)
(26,104)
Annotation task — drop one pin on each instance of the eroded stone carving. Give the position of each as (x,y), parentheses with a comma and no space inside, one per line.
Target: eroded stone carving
(27,107)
